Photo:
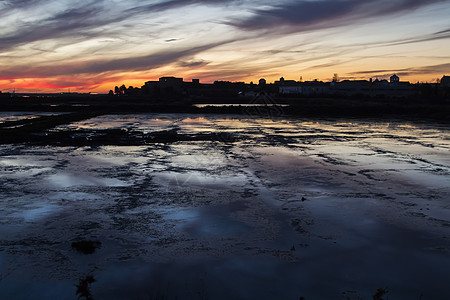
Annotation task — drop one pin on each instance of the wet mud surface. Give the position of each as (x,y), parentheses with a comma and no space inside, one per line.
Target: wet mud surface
(255,209)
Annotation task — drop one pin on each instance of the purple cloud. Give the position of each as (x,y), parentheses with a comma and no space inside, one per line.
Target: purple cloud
(308,15)
(139,63)
(440,68)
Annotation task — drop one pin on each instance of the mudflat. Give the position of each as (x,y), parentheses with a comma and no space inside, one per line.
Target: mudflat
(199,206)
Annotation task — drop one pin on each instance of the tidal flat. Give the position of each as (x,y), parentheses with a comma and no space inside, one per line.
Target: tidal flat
(271,208)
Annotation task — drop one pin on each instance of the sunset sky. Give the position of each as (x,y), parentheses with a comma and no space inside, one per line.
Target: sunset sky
(91,46)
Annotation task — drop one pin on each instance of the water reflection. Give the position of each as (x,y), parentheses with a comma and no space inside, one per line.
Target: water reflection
(17,116)
(291,208)
(68,180)
(34,214)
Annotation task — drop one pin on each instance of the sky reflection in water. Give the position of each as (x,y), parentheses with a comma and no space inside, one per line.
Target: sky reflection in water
(290,208)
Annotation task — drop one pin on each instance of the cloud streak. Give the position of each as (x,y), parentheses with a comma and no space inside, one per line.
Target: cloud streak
(432,69)
(85,19)
(130,64)
(173,4)
(309,15)
(72,22)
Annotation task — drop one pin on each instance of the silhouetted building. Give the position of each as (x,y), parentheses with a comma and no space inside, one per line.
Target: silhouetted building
(164,86)
(392,89)
(177,88)
(172,82)
(315,88)
(308,88)
(376,88)
(445,81)
(4,95)
(290,90)
(394,79)
(283,82)
(351,87)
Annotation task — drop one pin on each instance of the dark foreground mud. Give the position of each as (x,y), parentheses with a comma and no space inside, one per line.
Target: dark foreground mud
(254,209)
(39,130)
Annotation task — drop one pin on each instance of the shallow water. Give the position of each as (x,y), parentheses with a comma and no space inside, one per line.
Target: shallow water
(16,116)
(281,209)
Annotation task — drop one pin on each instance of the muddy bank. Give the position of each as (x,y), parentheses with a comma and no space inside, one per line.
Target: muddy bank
(32,129)
(337,107)
(37,131)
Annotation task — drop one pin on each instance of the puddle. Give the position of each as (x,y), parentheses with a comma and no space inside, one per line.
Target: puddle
(68,181)
(38,213)
(17,116)
(213,221)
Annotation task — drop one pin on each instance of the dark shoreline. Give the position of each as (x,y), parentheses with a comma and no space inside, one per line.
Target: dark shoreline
(38,130)
(433,109)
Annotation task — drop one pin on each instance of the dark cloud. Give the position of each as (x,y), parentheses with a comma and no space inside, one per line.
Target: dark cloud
(81,20)
(443,31)
(371,72)
(193,63)
(350,48)
(303,13)
(74,83)
(172,4)
(101,66)
(433,69)
(308,15)
(437,36)
(144,62)
(74,22)
(441,68)
(411,40)
(18,4)
(280,51)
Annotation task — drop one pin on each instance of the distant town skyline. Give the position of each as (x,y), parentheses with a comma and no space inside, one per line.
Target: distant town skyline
(85,46)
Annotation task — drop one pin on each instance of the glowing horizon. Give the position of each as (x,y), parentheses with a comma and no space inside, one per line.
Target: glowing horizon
(48,46)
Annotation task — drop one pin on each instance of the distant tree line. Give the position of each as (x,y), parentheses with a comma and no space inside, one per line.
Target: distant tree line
(124,91)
